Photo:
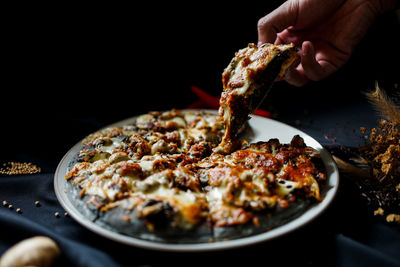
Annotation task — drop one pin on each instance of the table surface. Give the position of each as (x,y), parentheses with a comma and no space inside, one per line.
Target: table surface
(44,119)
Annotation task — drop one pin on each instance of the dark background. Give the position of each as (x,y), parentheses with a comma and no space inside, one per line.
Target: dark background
(106,63)
(63,64)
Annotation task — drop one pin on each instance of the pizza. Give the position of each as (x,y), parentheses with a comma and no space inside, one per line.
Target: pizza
(159,179)
(246,81)
(165,178)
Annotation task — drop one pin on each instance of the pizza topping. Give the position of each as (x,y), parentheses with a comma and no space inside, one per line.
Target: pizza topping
(163,170)
(253,159)
(77,169)
(225,215)
(125,168)
(112,145)
(156,211)
(117,157)
(138,146)
(246,81)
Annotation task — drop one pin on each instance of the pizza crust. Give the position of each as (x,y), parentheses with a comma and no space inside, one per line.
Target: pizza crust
(188,194)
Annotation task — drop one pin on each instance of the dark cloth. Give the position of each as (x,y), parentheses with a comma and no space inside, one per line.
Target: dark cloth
(109,60)
(344,235)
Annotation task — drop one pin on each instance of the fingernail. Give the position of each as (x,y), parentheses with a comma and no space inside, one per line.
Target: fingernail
(304,51)
(307,49)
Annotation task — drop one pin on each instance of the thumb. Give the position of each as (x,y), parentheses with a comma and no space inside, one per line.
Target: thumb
(276,21)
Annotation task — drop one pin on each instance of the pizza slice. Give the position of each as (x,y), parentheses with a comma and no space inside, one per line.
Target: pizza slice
(246,81)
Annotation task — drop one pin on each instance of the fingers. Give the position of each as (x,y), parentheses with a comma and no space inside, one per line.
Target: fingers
(309,68)
(296,77)
(269,26)
(286,37)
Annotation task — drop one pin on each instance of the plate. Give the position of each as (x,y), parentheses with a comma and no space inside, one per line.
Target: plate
(261,129)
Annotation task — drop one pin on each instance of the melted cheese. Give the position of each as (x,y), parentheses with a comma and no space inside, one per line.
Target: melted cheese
(147,162)
(143,120)
(178,122)
(215,194)
(236,186)
(100,188)
(285,187)
(197,134)
(110,148)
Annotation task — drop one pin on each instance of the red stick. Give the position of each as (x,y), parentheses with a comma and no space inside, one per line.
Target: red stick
(209,100)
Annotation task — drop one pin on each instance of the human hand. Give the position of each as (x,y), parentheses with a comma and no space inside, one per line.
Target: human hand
(326,31)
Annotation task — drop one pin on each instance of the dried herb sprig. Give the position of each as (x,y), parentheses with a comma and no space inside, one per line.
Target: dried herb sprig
(375,167)
(384,105)
(382,153)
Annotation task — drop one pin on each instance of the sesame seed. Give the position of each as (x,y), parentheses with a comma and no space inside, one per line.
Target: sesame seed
(18,210)
(10,207)
(57,214)
(37,203)
(5,203)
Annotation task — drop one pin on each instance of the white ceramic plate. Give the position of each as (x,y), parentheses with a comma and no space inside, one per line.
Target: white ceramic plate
(261,129)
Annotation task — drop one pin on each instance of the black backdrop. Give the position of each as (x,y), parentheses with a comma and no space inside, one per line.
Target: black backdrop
(103,63)
(107,63)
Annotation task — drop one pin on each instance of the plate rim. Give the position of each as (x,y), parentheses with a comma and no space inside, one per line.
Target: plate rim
(305,218)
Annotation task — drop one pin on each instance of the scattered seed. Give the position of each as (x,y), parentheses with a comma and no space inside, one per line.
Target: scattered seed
(5,203)
(66,214)
(57,214)
(37,203)
(15,168)
(18,210)
(10,207)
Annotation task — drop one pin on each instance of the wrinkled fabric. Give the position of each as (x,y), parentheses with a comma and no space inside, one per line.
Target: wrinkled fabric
(344,235)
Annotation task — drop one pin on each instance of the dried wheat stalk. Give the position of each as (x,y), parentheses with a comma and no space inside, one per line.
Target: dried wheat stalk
(384,105)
